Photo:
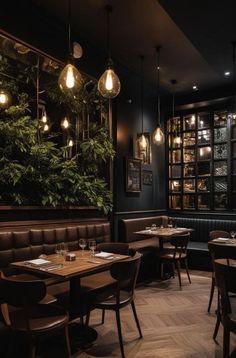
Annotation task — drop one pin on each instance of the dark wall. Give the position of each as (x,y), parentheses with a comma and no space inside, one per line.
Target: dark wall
(31,25)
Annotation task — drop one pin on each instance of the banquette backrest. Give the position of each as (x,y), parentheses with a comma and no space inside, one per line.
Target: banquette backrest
(127,227)
(30,243)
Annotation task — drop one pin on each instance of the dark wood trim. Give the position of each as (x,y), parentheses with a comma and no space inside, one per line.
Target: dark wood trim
(139,212)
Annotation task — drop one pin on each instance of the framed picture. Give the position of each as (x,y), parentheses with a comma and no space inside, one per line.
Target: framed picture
(147,177)
(133,175)
(143,153)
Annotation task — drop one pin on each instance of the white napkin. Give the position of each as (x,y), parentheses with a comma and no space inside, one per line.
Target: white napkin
(103,255)
(38,262)
(221,239)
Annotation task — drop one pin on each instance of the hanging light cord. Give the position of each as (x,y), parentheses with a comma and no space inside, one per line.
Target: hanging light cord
(109,11)
(69,28)
(158,85)
(234,69)
(141,87)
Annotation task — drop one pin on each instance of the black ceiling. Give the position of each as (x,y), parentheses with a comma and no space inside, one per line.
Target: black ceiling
(195,36)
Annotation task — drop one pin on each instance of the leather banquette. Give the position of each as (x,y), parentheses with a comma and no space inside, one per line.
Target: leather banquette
(32,242)
(147,246)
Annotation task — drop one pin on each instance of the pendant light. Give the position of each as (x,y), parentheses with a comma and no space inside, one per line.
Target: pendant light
(158,136)
(109,83)
(234,76)
(70,80)
(177,138)
(5,99)
(142,141)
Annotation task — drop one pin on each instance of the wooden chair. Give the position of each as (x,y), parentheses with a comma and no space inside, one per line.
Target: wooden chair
(218,251)
(174,257)
(214,255)
(225,277)
(125,273)
(31,318)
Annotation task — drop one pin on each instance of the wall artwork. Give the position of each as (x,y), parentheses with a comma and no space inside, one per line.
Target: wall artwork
(147,177)
(133,175)
(143,153)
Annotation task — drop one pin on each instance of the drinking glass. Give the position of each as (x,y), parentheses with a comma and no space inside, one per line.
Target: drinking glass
(92,247)
(233,234)
(64,249)
(58,249)
(153,227)
(82,245)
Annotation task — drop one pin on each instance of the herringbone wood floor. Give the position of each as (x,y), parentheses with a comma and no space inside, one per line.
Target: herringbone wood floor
(174,322)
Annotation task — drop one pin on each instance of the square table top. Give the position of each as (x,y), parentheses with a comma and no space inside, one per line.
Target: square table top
(83,265)
(164,232)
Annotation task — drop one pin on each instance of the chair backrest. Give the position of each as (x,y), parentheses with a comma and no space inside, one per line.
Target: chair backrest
(114,247)
(126,273)
(21,294)
(225,274)
(180,243)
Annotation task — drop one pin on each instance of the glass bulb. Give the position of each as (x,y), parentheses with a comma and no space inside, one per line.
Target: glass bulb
(70,80)
(158,136)
(45,127)
(177,140)
(44,117)
(5,99)
(109,84)
(65,123)
(70,143)
(142,141)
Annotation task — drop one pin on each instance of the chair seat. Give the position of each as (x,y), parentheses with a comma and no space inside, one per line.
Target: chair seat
(110,302)
(42,318)
(170,256)
(97,281)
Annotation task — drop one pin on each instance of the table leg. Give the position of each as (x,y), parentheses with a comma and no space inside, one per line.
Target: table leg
(81,336)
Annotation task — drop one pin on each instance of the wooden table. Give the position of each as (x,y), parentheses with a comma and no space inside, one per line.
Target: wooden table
(163,234)
(84,265)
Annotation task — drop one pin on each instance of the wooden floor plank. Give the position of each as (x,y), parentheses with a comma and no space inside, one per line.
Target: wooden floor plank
(174,321)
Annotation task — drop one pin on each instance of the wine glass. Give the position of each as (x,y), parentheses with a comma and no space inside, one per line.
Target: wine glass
(153,227)
(233,234)
(92,247)
(64,249)
(58,249)
(82,245)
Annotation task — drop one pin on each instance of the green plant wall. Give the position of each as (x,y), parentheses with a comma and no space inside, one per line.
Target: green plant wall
(35,168)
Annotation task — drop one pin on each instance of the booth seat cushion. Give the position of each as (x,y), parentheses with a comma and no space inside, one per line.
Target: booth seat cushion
(129,226)
(152,244)
(29,244)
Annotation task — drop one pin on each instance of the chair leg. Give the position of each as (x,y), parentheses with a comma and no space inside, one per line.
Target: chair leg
(87,319)
(226,340)
(211,294)
(216,327)
(32,350)
(136,318)
(178,271)
(218,317)
(173,268)
(162,270)
(186,268)
(120,333)
(103,316)
(67,341)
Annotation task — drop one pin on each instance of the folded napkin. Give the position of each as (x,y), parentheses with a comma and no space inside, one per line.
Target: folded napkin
(38,262)
(104,255)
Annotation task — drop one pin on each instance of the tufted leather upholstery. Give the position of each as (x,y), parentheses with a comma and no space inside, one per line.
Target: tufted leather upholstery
(202,227)
(29,244)
(129,226)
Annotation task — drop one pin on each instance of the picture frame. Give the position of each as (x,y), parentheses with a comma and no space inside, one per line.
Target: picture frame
(133,175)
(144,154)
(147,177)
